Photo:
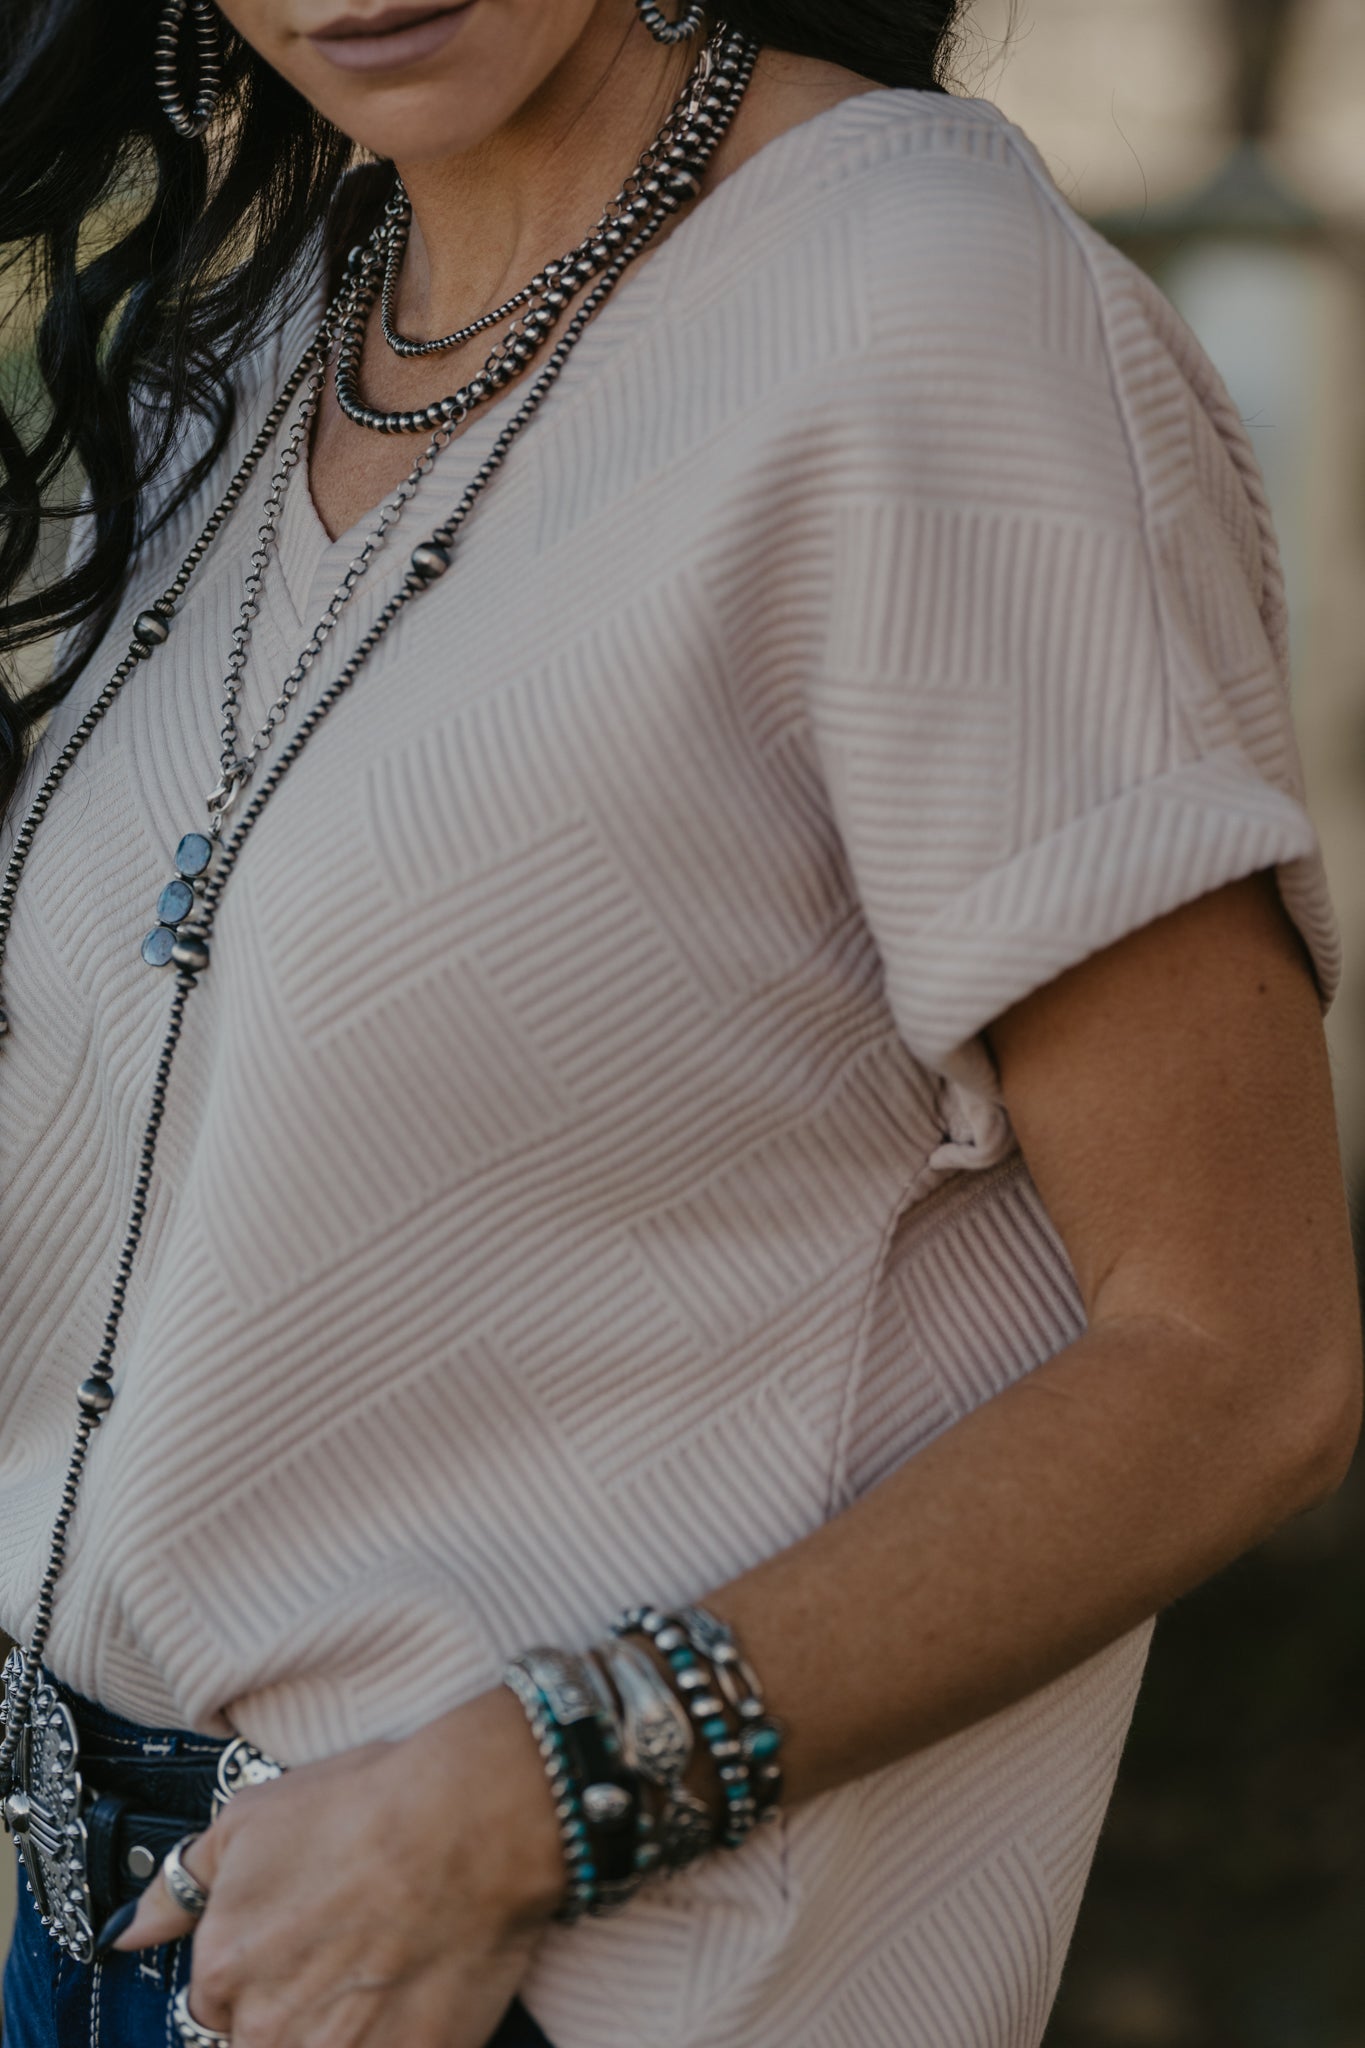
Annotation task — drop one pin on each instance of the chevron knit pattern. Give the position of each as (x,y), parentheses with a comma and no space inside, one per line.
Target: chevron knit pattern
(583,1170)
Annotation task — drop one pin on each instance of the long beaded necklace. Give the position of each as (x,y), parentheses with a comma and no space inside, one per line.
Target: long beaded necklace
(680,153)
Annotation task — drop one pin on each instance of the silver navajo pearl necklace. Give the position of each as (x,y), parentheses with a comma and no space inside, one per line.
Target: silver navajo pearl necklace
(667,176)
(732,60)
(672,162)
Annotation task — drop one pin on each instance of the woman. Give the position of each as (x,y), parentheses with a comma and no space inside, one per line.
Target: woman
(733,1011)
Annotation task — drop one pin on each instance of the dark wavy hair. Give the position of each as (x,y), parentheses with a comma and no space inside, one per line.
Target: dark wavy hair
(148,265)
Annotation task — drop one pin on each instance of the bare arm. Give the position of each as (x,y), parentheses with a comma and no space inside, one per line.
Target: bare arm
(1173,1102)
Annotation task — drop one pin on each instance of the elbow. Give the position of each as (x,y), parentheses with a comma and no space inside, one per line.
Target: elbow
(1324,1431)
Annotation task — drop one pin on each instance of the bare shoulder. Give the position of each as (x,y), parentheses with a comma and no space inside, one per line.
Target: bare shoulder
(786,90)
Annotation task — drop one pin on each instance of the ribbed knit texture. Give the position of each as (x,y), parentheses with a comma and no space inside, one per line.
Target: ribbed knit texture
(582,1171)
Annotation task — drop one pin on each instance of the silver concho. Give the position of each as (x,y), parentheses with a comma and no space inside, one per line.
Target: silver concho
(242,1764)
(43,1813)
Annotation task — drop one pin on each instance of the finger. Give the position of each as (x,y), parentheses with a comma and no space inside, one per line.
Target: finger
(155,1917)
(204,2014)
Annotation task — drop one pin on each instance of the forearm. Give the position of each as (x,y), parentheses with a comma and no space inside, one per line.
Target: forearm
(1043,1526)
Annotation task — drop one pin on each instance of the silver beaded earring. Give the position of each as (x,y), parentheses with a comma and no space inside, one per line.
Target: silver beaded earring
(665,31)
(188,121)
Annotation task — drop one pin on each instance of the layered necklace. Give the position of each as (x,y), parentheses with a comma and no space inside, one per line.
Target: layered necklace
(667,177)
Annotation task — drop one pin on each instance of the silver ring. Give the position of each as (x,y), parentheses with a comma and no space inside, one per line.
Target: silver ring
(187,1892)
(190,2031)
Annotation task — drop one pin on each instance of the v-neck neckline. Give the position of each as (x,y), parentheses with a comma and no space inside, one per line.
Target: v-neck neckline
(312,563)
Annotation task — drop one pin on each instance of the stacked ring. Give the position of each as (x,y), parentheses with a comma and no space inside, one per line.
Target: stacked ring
(190,2030)
(187,1892)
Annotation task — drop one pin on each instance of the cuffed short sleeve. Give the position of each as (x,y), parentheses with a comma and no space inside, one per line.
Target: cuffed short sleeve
(1052,702)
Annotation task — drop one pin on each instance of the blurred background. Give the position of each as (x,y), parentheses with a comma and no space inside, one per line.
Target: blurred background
(1222,143)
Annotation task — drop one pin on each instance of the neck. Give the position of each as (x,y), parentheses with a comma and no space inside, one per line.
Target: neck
(484,221)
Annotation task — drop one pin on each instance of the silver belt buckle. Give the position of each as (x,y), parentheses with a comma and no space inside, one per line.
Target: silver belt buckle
(43,1813)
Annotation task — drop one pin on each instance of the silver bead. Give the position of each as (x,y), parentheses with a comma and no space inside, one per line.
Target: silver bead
(96,1396)
(191,955)
(704,1705)
(151,629)
(605,1805)
(430,561)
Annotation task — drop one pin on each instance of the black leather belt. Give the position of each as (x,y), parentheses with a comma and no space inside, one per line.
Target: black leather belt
(139,1809)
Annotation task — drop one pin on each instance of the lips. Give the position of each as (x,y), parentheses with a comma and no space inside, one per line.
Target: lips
(390,39)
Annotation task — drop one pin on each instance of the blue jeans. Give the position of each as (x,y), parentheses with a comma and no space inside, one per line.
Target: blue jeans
(123,1999)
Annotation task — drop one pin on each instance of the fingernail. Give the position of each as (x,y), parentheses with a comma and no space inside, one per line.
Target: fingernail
(117,1924)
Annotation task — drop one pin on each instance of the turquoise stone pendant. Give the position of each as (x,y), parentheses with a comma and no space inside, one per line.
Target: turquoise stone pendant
(165,941)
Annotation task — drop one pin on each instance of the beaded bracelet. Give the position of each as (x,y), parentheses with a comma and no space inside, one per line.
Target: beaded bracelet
(597,1802)
(761,1733)
(708,1670)
(695,1679)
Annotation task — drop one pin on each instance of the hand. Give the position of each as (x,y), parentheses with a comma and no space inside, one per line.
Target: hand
(391,1897)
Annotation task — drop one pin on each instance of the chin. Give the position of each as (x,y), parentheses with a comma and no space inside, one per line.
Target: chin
(419,125)
(430,92)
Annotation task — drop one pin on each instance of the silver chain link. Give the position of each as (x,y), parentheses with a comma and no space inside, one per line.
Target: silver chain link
(238,767)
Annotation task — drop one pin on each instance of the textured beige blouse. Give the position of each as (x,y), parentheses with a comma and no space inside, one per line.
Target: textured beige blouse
(582,1171)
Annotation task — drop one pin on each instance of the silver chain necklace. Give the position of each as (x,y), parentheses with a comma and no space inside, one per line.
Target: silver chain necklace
(396,246)
(667,176)
(577,265)
(177,904)
(429,561)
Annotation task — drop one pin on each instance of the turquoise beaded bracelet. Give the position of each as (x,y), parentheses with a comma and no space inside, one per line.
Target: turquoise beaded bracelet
(709,1672)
